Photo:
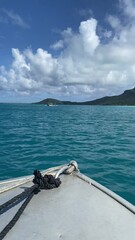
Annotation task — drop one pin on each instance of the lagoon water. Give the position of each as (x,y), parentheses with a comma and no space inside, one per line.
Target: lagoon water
(100,138)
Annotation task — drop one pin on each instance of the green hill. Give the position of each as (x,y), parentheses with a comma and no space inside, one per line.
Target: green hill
(125,99)
(53,101)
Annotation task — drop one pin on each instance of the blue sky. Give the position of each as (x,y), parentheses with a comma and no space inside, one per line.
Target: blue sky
(72,50)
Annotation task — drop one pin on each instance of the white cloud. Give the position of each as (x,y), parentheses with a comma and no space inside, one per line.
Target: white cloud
(114,21)
(88,13)
(128,8)
(88,35)
(58,45)
(85,66)
(107,34)
(12,17)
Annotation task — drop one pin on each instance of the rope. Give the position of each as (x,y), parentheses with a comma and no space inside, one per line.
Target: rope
(46,182)
(40,182)
(10,225)
(15,200)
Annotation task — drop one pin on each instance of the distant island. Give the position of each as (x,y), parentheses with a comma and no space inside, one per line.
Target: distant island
(125,99)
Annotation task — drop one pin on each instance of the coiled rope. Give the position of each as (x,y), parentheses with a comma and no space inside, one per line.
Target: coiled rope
(40,182)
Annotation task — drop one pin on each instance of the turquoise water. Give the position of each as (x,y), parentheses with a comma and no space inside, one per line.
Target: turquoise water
(100,138)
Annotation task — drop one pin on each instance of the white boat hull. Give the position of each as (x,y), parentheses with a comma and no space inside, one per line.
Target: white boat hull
(79,209)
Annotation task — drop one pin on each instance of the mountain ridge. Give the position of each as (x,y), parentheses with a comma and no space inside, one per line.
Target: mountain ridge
(127,98)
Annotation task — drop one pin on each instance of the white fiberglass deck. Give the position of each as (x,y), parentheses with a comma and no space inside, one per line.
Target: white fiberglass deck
(75,211)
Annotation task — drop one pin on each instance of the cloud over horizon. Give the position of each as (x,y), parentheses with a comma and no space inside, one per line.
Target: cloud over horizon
(85,64)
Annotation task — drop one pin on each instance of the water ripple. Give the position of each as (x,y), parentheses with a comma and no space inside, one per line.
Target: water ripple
(101,139)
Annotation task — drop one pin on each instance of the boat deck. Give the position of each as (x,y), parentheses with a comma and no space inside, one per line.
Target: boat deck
(75,210)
